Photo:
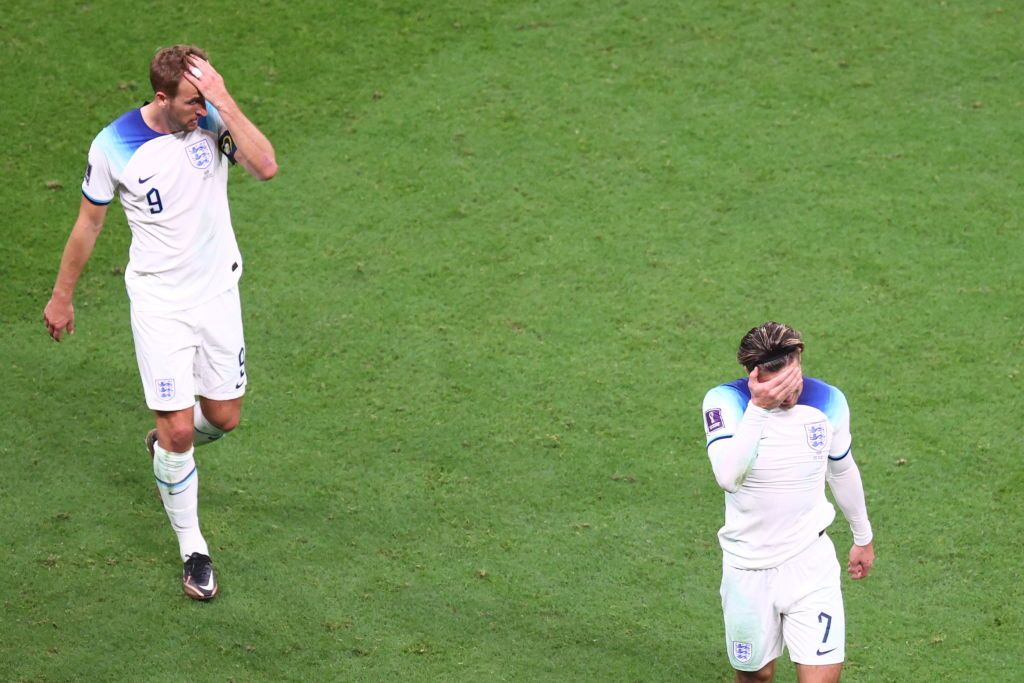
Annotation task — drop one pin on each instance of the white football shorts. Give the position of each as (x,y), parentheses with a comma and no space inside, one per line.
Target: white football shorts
(798,603)
(196,352)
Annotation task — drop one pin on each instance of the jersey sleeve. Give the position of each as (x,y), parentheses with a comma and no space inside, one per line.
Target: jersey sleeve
(99,184)
(723,410)
(839,414)
(733,427)
(848,490)
(215,124)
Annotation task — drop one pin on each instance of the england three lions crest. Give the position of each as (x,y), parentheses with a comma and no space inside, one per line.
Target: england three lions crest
(817,435)
(165,389)
(200,154)
(742,652)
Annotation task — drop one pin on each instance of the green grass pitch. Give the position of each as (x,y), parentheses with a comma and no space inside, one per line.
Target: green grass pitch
(510,247)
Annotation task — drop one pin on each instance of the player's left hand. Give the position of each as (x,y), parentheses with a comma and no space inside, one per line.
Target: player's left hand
(209,83)
(59,315)
(862,558)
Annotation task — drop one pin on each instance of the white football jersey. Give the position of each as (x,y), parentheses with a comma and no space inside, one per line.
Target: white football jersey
(780,508)
(173,187)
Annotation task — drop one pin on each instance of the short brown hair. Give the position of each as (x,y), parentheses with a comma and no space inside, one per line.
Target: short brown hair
(168,66)
(770,345)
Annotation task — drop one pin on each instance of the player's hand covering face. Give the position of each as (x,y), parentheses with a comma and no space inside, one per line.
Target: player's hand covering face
(779,389)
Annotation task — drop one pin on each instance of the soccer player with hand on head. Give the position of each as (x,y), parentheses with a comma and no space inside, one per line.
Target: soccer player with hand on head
(167,162)
(774,439)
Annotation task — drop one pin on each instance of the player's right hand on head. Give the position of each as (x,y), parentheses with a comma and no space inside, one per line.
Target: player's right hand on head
(59,316)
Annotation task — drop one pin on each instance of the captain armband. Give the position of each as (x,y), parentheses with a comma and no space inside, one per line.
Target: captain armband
(227,146)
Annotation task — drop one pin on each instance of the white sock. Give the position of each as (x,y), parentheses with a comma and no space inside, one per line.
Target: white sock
(202,431)
(178,480)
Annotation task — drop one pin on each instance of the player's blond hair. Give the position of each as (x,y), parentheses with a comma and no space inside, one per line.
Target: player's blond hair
(770,345)
(168,66)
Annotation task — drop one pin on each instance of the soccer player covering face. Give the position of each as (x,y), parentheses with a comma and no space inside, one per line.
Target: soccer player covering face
(167,162)
(774,439)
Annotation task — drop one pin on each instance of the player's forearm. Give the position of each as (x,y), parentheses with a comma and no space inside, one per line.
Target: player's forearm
(255,152)
(732,458)
(76,254)
(848,490)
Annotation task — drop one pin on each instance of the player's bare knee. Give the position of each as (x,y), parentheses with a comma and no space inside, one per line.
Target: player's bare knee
(223,415)
(818,674)
(763,675)
(227,422)
(179,438)
(229,425)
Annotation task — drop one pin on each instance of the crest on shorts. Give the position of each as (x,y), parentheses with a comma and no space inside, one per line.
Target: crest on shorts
(817,435)
(713,419)
(165,389)
(742,652)
(199,154)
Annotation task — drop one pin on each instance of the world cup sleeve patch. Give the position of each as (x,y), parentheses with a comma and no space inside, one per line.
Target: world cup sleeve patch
(713,419)
(88,173)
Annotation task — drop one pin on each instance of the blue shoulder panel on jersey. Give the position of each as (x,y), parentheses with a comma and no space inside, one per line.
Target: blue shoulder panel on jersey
(212,121)
(121,138)
(738,392)
(824,397)
(741,387)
